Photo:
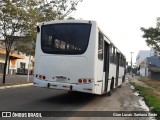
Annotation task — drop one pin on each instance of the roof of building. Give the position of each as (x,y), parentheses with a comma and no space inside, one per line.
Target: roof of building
(18,56)
(154,61)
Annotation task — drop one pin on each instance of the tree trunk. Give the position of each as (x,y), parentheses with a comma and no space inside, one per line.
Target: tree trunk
(9,59)
(5,66)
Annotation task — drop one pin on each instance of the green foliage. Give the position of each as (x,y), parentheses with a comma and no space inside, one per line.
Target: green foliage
(11,21)
(57,9)
(134,69)
(19,18)
(128,69)
(151,35)
(143,79)
(41,11)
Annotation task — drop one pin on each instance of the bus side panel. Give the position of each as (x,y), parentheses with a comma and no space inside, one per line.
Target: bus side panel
(121,74)
(37,51)
(99,78)
(98,68)
(112,73)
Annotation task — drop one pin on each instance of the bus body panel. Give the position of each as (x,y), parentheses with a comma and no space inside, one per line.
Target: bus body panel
(112,74)
(87,88)
(99,77)
(98,68)
(121,75)
(71,67)
(74,67)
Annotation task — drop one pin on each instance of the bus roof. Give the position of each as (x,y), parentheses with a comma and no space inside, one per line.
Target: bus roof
(67,21)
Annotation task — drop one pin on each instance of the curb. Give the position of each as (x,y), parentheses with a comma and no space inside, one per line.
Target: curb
(16,86)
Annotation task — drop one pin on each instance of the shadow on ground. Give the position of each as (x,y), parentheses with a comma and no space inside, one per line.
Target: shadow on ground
(70,98)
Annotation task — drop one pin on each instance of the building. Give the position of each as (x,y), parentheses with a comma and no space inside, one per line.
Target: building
(142,55)
(23,64)
(148,64)
(18,62)
(153,67)
(20,66)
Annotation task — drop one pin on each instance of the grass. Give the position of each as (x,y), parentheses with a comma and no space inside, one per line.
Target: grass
(13,83)
(152,83)
(151,99)
(157,88)
(143,79)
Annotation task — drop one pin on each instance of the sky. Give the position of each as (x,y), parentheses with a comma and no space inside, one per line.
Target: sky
(121,21)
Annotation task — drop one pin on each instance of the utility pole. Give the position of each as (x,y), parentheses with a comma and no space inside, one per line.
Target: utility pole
(131,61)
(29,66)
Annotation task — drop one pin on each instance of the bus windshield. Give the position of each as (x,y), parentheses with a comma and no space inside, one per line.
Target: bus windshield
(65,38)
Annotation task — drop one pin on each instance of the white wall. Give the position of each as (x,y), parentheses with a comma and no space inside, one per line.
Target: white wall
(142,55)
(25,60)
(18,61)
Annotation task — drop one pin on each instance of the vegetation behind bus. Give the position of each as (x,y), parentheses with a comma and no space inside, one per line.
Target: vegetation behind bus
(20,18)
(150,91)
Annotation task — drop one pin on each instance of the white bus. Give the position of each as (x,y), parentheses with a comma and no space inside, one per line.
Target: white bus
(75,55)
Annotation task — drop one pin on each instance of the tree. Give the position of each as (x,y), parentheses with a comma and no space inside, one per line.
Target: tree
(11,25)
(57,9)
(47,10)
(20,17)
(151,34)
(30,23)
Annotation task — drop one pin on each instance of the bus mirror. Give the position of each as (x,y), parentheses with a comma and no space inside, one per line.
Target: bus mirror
(38,29)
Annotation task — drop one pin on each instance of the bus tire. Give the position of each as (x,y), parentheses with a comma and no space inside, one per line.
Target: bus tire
(110,93)
(111,87)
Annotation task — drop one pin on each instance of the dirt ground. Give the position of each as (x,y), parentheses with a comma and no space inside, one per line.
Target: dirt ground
(122,99)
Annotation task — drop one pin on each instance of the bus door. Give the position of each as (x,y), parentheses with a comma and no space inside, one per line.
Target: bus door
(117,68)
(106,64)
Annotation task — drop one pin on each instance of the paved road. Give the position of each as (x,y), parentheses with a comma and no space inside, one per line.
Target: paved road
(41,99)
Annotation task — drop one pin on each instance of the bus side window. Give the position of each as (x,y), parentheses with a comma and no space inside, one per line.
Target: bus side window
(114,55)
(111,54)
(120,60)
(124,63)
(100,46)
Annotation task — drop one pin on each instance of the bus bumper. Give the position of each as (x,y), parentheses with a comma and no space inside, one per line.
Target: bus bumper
(87,88)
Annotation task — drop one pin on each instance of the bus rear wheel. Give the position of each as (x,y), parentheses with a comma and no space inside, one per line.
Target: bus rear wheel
(111,87)
(110,93)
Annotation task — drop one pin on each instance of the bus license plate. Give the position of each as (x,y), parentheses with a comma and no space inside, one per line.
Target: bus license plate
(61,79)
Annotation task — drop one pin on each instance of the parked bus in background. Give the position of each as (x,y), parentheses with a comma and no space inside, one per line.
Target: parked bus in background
(75,55)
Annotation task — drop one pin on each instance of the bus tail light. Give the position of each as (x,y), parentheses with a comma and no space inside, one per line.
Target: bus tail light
(41,77)
(84,80)
(89,80)
(44,77)
(80,80)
